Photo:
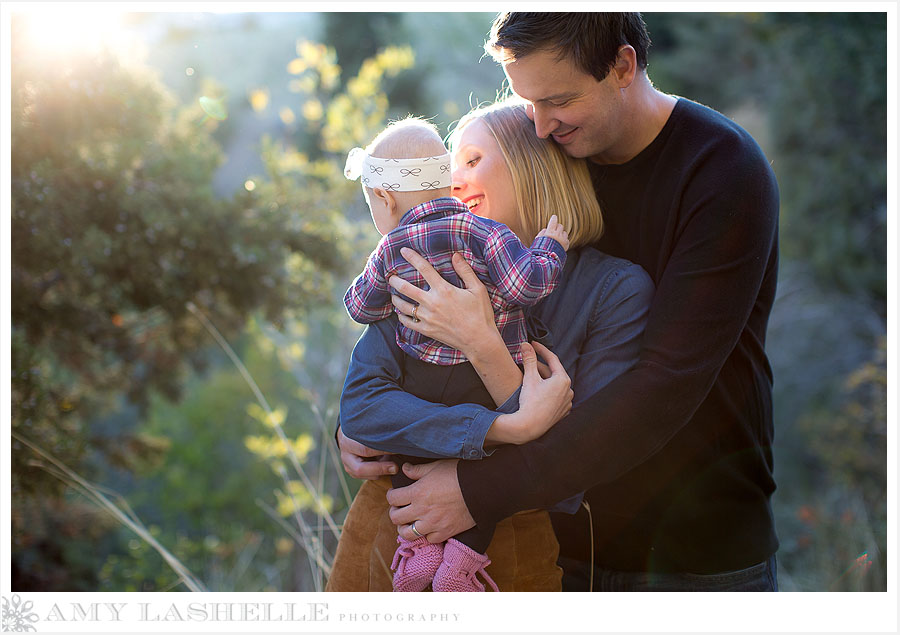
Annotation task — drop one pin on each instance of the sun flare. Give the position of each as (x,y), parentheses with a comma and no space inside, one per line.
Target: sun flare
(64,29)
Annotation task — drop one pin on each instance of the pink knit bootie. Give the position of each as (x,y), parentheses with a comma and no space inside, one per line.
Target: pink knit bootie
(457,571)
(415,563)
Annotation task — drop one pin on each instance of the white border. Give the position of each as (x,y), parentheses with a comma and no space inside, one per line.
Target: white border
(796,612)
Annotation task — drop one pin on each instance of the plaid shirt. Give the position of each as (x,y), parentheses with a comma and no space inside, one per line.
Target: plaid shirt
(515,276)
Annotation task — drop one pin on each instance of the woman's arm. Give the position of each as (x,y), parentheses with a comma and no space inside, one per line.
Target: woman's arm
(378,413)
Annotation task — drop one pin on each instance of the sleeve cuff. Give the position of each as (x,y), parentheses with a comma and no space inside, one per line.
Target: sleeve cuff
(473,446)
(544,243)
(511,405)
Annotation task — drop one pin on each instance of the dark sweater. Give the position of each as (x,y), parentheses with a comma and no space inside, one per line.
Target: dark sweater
(675,453)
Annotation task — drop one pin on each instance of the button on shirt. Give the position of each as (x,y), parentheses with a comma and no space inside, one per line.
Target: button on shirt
(515,276)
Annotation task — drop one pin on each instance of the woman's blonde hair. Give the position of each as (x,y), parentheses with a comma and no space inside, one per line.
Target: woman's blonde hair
(546,180)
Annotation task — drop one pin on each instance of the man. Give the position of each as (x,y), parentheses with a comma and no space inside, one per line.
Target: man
(675,454)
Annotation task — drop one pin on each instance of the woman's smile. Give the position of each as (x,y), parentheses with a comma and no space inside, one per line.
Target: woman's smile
(481,178)
(472,202)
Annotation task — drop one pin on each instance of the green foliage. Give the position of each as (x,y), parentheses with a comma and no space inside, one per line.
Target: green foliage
(360,37)
(115,230)
(829,120)
(340,116)
(860,422)
(838,528)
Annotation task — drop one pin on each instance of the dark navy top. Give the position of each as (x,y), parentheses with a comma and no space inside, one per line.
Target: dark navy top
(675,453)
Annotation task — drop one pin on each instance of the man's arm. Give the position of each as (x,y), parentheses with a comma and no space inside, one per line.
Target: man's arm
(702,304)
(611,347)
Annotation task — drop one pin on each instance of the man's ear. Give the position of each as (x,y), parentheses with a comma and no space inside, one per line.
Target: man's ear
(625,67)
(385,199)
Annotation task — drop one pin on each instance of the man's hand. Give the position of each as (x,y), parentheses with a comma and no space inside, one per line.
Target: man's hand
(363,462)
(434,502)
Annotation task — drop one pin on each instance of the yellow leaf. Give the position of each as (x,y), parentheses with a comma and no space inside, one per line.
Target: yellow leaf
(287,115)
(276,417)
(283,546)
(297,66)
(303,445)
(330,75)
(255,411)
(312,110)
(259,99)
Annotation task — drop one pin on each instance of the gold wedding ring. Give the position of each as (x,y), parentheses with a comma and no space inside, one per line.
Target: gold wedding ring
(416,318)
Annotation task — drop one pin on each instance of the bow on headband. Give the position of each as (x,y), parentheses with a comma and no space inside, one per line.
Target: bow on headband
(398,175)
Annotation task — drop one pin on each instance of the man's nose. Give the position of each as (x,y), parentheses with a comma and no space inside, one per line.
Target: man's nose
(544,124)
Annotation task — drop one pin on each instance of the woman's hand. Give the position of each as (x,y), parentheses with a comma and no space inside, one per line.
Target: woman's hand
(544,400)
(460,318)
(363,462)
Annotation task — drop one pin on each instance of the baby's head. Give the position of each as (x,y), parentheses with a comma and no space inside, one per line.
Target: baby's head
(404,166)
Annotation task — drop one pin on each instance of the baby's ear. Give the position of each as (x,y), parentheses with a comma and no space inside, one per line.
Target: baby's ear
(385,199)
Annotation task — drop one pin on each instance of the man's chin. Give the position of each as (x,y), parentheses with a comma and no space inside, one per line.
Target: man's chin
(575,151)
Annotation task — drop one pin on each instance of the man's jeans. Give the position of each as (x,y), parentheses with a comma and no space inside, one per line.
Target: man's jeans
(760,577)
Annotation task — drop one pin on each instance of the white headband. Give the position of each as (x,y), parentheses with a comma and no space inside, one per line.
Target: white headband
(398,175)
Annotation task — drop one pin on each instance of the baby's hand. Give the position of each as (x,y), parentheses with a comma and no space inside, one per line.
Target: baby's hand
(556,231)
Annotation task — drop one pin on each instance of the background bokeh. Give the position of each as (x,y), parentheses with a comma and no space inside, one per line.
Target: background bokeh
(182,235)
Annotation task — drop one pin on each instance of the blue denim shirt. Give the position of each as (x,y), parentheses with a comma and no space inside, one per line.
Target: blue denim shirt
(593,322)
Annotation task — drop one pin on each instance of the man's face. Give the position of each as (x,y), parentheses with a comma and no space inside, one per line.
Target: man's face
(582,115)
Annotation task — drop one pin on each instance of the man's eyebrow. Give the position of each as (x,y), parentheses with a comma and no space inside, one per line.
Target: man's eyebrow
(558,97)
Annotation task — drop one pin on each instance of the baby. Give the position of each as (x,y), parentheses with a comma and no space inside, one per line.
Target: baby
(405,174)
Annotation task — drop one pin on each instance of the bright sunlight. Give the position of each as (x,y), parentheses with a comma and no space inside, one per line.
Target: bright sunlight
(63,29)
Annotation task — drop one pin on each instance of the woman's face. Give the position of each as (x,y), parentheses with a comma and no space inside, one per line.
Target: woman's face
(481,178)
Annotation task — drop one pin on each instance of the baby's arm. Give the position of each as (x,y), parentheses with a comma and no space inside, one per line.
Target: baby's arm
(368,299)
(555,231)
(526,275)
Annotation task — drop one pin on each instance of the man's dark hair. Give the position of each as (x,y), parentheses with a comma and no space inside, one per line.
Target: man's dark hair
(591,40)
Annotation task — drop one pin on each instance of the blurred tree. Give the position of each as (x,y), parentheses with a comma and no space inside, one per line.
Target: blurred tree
(837,436)
(114,231)
(359,36)
(834,530)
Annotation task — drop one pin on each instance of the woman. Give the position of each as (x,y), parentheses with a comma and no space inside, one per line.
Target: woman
(593,323)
